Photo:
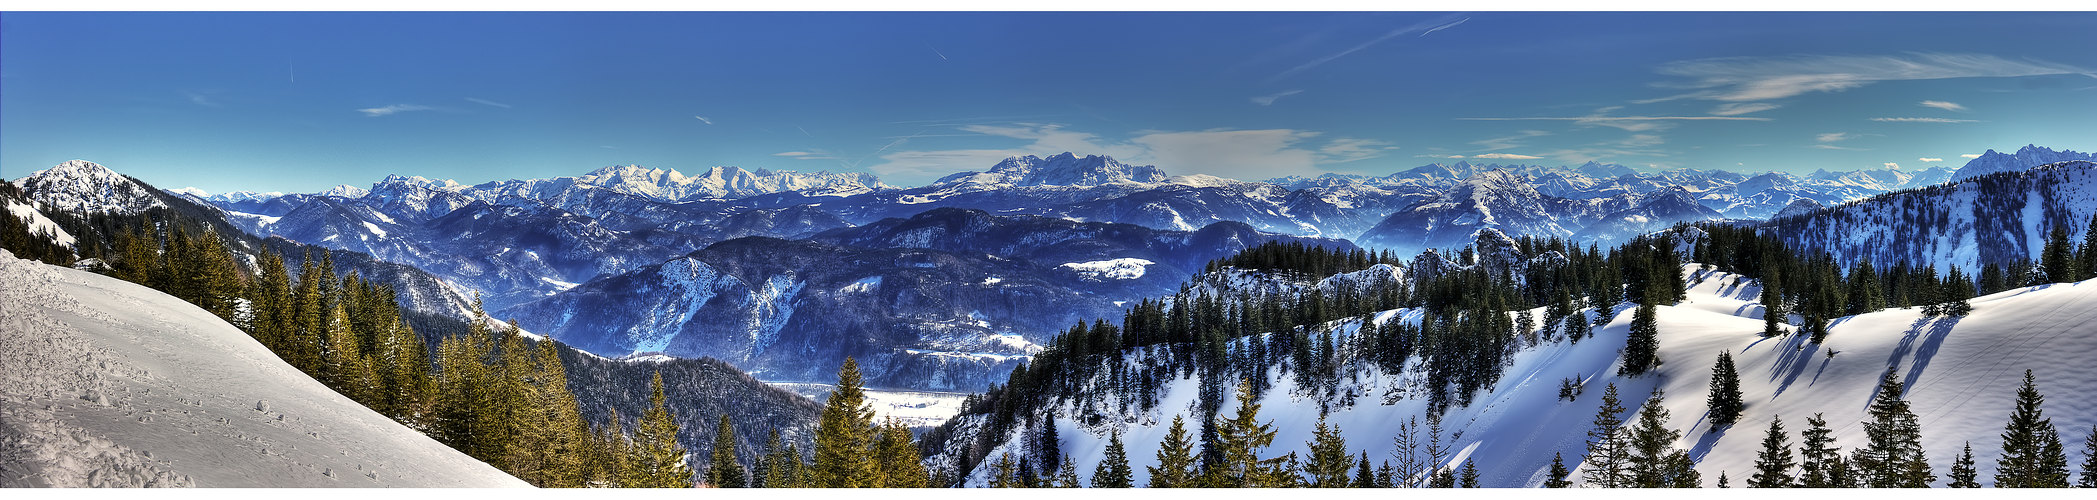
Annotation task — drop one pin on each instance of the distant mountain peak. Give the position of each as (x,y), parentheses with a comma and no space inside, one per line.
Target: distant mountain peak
(2031,155)
(1061,169)
(87,187)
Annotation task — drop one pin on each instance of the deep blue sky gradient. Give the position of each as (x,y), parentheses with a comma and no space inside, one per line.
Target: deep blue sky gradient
(271,101)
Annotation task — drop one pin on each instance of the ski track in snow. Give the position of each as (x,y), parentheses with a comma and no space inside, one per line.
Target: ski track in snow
(1961,375)
(112,384)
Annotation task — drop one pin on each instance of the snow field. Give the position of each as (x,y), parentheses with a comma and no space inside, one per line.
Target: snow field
(1961,375)
(113,384)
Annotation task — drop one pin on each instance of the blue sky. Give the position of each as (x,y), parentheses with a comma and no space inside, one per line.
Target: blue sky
(303,101)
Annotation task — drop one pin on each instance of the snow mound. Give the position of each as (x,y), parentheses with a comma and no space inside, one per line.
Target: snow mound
(1116,269)
(113,384)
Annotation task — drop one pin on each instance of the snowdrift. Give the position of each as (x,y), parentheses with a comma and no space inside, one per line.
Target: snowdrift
(1961,374)
(112,384)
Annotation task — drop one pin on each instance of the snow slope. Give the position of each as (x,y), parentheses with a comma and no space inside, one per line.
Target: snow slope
(1961,376)
(112,384)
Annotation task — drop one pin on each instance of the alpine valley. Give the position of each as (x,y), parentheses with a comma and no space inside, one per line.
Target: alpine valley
(1059,321)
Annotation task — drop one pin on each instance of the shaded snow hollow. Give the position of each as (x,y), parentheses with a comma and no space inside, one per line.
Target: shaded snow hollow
(112,384)
(1961,375)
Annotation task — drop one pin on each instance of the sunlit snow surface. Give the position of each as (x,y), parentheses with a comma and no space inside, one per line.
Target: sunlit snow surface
(1961,374)
(1115,269)
(912,408)
(108,383)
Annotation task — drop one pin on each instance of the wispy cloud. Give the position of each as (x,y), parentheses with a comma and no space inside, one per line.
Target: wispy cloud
(1443,22)
(486,102)
(1837,148)
(1508,142)
(1503,156)
(1627,123)
(1923,120)
(1268,100)
(391,109)
(1445,26)
(1926,160)
(703,119)
(808,155)
(1834,137)
(1969,156)
(1756,78)
(1348,149)
(1741,108)
(200,99)
(1944,105)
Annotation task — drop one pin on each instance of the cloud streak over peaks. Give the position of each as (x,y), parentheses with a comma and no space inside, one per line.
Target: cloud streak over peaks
(1758,78)
(391,109)
(1922,120)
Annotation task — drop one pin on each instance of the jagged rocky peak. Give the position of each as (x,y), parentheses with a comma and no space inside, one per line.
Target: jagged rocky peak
(85,187)
(2029,156)
(1488,185)
(1767,181)
(1064,169)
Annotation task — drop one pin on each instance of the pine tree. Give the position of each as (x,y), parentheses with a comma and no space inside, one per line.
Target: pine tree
(898,461)
(2089,454)
(1067,475)
(843,435)
(1962,471)
(1240,439)
(1819,458)
(1113,470)
(2057,257)
(1608,449)
(1773,463)
(1557,478)
(615,454)
(1005,473)
(724,471)
(566,434)
(1724,402)
(2086,256)
(2031,446)
(1892,458)
(1329,460)
(1470,475)
(1175,467)
(1772,307)
(659,461)
(1641,350)
(1652,459)
(1050,446)
(1364,477)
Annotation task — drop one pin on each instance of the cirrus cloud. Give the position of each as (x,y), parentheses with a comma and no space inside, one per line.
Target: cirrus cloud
(392,109)
(1761,78)
(1922,120)
(1944,105)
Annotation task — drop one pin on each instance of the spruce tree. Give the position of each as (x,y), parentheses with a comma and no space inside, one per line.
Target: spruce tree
(1652,446)
(1772,306)
(1470,475)
(2086,256)
(1050,446)
(1819,457)
(1608,449)
(1364,477)
(1773,463)
(1962,471)
(844,435)
(2089,454)
(1724,402)
(1066,476)
(1557,478)
(1641,350)
(2031,447)
(1004,473)
(723,471)
(897,460)
(1723,482)
(1175,467)
(1240,439)
(2057,257)
(1329,461)
(1113,470)
(1892,457)
(659,460)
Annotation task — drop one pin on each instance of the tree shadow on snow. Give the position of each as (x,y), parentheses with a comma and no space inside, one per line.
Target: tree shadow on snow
(1792,362)
(1707,441)
(1933,340)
